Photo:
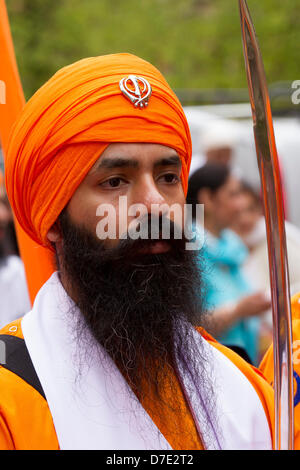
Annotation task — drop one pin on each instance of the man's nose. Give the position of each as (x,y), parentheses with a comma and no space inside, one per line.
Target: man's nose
(149,197)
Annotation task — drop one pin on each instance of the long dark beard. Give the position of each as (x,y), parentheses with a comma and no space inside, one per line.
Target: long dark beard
(140,308)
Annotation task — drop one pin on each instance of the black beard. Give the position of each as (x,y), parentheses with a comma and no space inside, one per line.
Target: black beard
(140,308)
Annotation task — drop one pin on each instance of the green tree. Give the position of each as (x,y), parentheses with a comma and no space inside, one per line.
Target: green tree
(195,43)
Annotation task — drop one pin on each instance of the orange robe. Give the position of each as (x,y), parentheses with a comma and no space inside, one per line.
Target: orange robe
(26,422)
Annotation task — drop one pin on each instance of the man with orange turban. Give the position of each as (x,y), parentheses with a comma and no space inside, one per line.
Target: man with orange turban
(113,354)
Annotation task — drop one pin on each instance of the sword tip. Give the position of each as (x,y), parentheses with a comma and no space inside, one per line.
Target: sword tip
(243,8)
(243,4)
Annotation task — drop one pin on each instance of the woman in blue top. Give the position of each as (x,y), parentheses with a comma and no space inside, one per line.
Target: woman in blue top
(228,294)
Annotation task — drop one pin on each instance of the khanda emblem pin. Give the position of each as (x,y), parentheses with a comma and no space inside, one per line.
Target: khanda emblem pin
(136,89)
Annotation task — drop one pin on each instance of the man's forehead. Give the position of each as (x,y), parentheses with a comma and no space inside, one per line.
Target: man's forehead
(135,155)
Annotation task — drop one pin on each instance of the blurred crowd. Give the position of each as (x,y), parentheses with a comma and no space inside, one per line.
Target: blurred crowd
(234,255)
(233,258)
(13,288)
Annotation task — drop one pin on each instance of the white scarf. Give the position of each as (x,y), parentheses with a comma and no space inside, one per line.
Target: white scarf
(95,409)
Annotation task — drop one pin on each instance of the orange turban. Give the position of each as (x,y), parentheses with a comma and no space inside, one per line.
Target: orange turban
(67,124)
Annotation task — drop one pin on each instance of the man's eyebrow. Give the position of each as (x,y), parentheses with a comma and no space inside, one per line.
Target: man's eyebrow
(121,162)
(167,161)
(117,162)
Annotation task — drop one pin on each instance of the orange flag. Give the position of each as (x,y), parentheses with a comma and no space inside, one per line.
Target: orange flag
(37,260)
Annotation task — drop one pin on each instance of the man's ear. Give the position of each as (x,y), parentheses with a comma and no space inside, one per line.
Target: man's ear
(54,234)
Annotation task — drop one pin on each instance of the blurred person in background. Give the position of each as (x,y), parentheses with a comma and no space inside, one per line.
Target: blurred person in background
(117,321)
(218,142)
(247,224)
(218,145)
(14,299)
(230,298)
(250,225)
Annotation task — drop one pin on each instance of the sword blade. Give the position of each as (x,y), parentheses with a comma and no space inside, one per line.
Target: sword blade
(274,214)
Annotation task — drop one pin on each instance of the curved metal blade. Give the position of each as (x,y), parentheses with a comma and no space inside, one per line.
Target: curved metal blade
(274,213)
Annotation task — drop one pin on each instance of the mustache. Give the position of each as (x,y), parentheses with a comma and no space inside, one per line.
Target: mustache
(129,250)
(143,236)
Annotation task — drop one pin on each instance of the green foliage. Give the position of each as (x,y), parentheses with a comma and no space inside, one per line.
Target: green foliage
(195,43)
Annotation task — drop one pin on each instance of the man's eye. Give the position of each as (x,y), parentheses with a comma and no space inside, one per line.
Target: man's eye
(113,183)
(170,178)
